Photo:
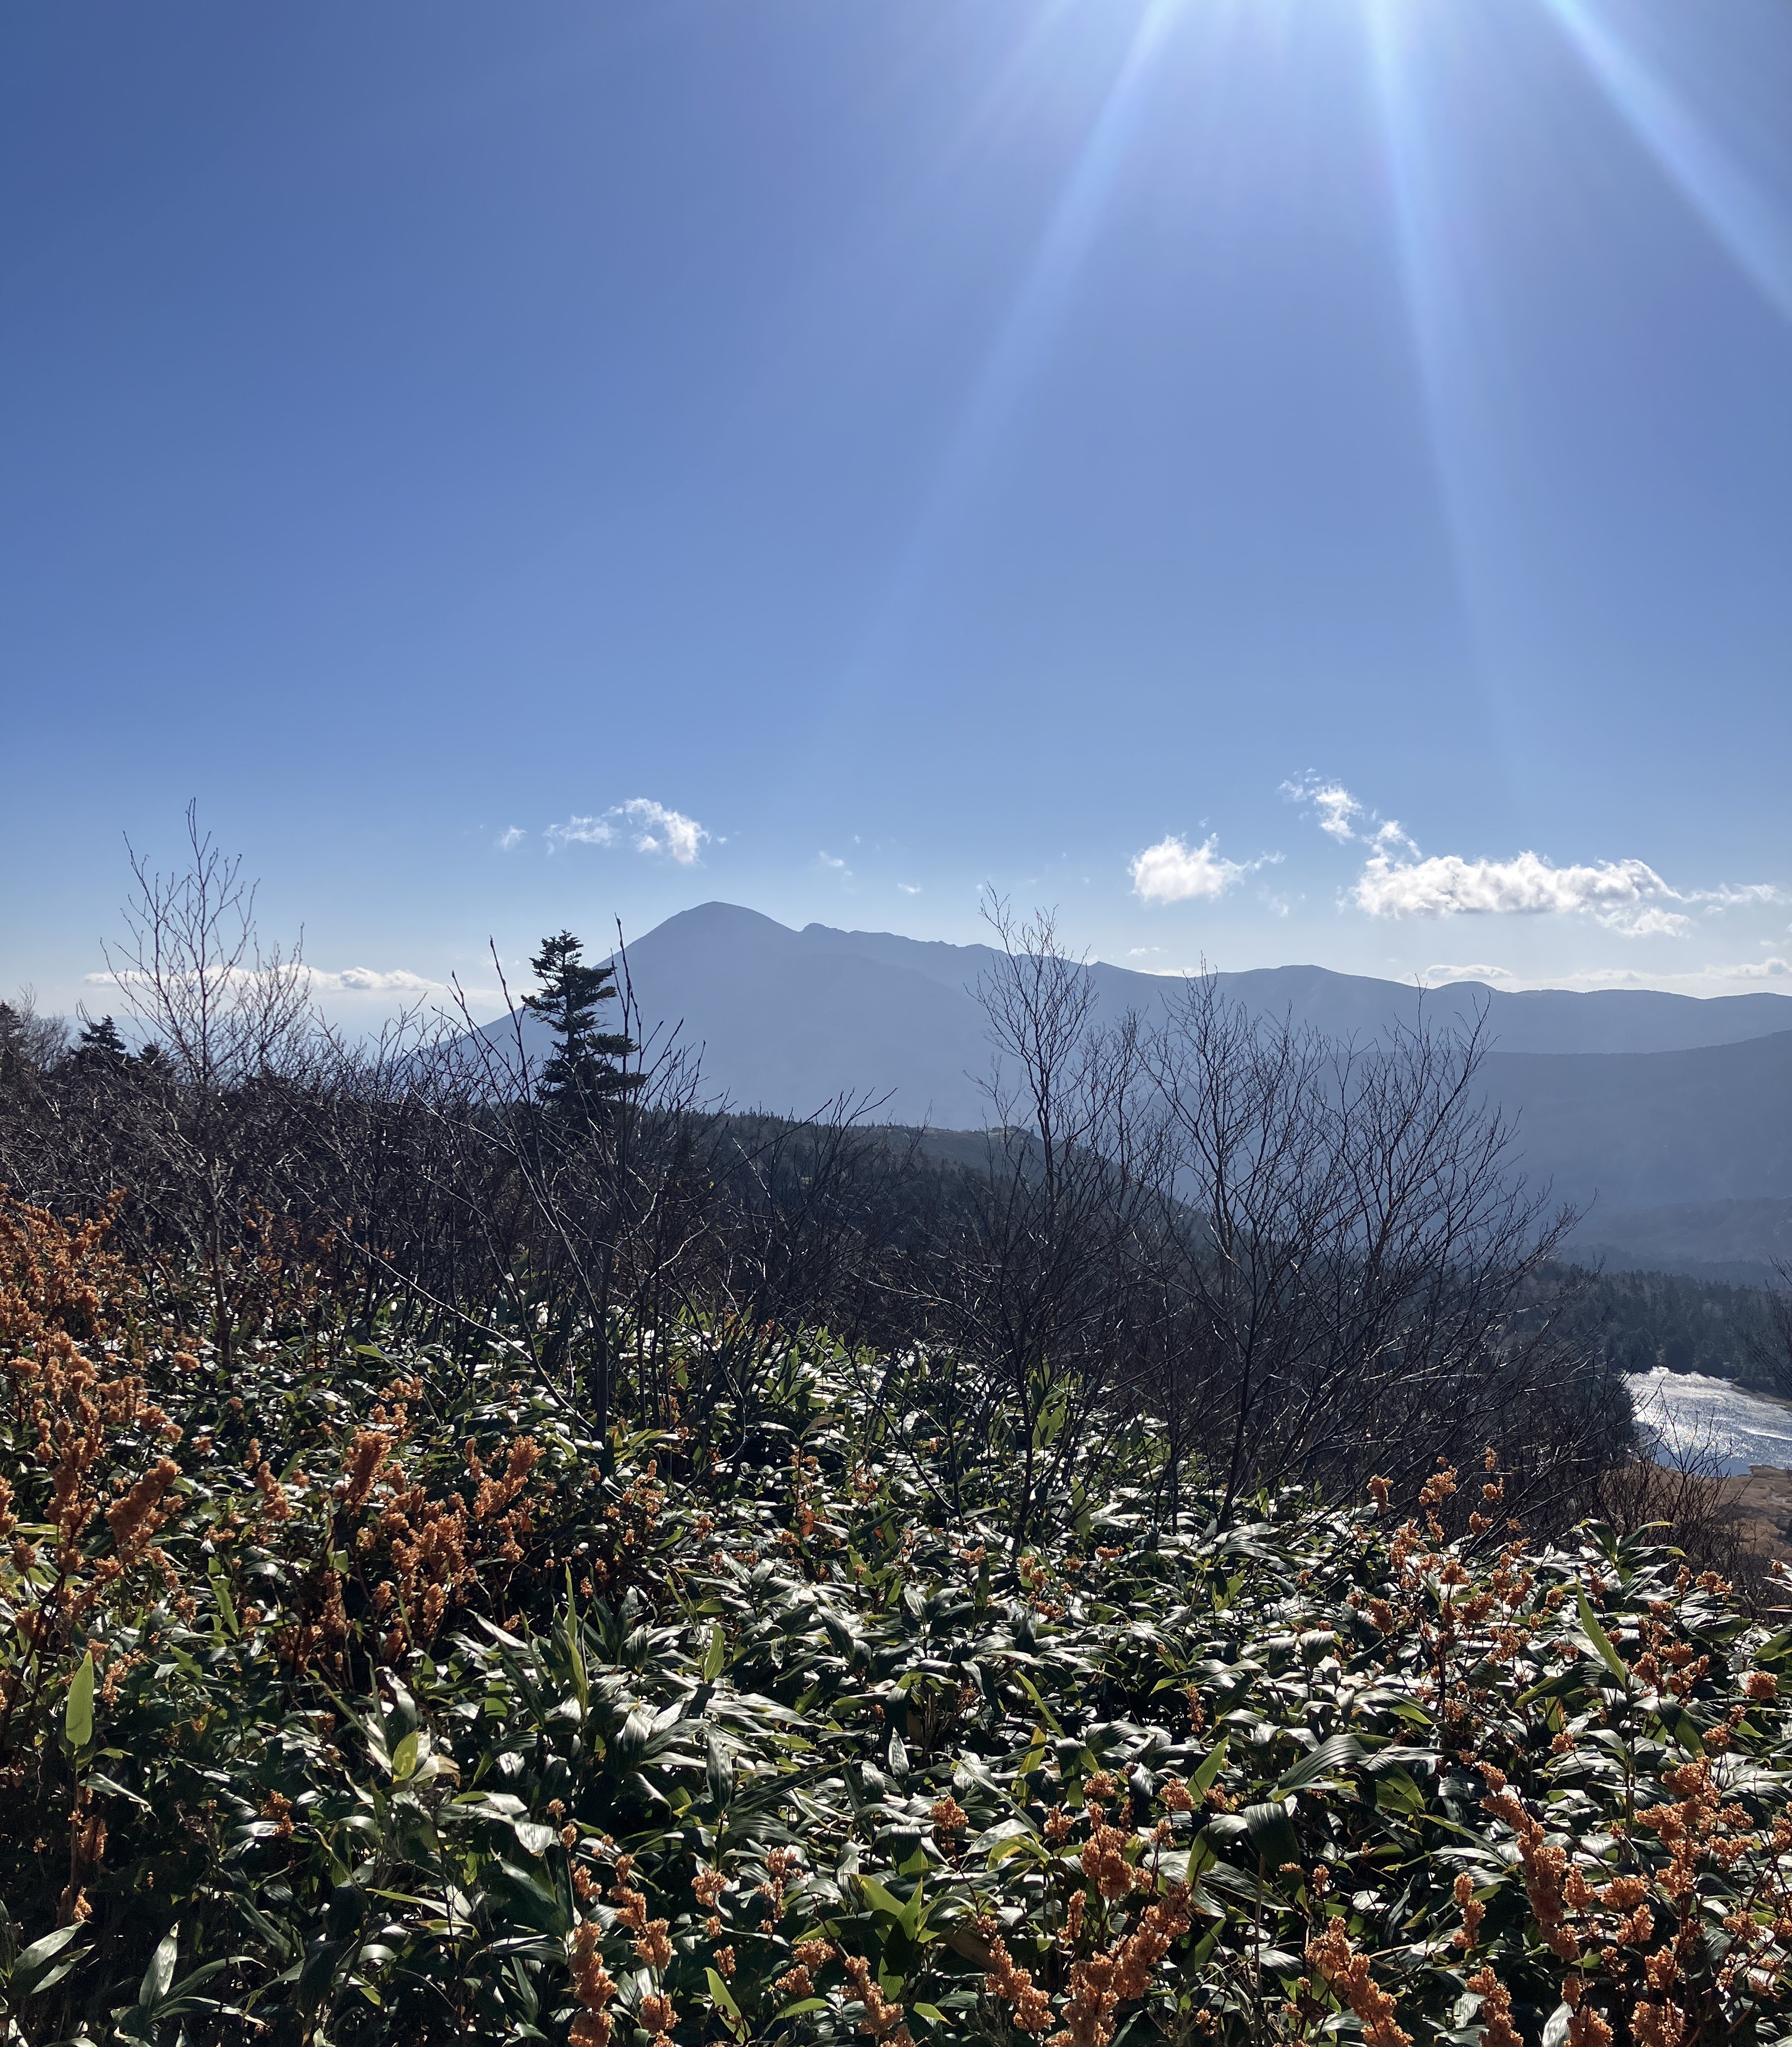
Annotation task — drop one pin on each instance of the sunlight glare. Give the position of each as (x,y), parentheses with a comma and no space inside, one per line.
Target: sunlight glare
(1732,206)
(1023,341)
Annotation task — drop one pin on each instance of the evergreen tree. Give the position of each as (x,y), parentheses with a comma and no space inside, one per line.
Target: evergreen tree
(100,1046)
(585,1069)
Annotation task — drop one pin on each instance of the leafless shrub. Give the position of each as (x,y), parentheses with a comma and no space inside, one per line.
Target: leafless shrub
(1243,1252)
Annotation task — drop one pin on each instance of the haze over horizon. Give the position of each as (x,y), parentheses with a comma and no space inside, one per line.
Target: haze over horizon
(1281,484)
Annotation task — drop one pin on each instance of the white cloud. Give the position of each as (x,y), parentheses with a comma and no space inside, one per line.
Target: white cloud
(1652,923)
(909,887)
(319,981)
(1719,978)
(648,826)
(828,860)
(371,980)
(1334,804)
(1338,812)
(1172,870)
(1627,897)
(1448,886)
(1142,952)
(1436,974)
(1717,900)
(664,831)
(512,835)
(583,831)
(131,977)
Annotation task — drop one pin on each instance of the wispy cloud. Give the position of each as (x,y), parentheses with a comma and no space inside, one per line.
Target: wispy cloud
(1652,923)
(1173,871)
(1341,817)
(1719,977)
(1332,804)
(1435,976)
(583,831)
(1398,881)
(1727,897)
(910,888)
(512,835)
(646,826)
(319,981)
(371,981)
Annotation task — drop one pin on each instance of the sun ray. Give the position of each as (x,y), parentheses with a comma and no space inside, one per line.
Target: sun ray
(1433,286)
(1457,370)
(1023,341)
(1755,232)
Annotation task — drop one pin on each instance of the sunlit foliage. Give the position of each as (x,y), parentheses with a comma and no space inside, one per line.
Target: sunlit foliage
(356,1694)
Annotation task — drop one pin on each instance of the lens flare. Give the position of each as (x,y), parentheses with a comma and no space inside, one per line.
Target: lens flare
(1742,217)
(1024,340)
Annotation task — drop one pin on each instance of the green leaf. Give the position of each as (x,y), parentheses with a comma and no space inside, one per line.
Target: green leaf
(1337,1753)
(1396,1792)
(221,1593)
(405,1757)
(715,1656)
(40,1952)
(720,1991)
(160,1972)
(576,1654)
(718,1772)
(69,1962)
(881,1900)
(1272,1834)
(1684,1730)
(1045,1712)
(114,1789)
(1203,1778)
(77,1716)
(1602,1641)
(1559,1686)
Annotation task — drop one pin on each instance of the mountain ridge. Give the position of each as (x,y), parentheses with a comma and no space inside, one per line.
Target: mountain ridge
(1629,1100)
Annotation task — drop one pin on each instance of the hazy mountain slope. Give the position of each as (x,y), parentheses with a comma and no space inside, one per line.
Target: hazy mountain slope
(1631,1020)
(788,1026)
(1343,1004)
(1646,1129)
(1739,1242)
(1643,1099)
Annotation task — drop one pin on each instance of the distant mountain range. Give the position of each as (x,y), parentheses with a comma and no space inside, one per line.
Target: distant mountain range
(1737,1243)
(1632,1100)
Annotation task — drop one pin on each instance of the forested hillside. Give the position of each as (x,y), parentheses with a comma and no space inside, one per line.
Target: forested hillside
(1638,1321)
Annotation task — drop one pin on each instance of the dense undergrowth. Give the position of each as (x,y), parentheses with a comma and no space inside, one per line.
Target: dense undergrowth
(355,1694)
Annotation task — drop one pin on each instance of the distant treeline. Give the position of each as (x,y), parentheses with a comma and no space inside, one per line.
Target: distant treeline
(1637,1321)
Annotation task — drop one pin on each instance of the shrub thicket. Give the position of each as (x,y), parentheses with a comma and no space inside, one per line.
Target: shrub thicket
(355,1691)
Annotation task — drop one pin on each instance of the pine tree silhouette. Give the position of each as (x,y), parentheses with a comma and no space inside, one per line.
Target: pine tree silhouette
(586,1070)
(101,1045)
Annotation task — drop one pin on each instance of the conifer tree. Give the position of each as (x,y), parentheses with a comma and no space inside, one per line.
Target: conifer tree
(585,1069)
(101,1046)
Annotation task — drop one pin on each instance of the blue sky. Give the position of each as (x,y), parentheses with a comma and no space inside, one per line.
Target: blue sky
(1299,480)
